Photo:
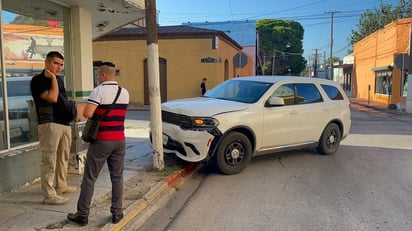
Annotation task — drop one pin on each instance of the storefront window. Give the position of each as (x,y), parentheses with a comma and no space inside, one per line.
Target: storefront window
(26,42)
(383,82)
(404,85)
(346,85)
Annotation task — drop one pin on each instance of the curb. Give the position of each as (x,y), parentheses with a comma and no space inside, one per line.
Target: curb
(186,171)
(138,108)
(135,209)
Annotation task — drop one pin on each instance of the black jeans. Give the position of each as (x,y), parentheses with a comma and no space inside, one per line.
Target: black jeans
(98,153)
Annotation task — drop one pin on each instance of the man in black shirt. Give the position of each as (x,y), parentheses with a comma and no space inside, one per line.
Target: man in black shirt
(54,130)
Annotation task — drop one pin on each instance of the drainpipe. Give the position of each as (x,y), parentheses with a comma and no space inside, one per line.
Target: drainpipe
(408,102)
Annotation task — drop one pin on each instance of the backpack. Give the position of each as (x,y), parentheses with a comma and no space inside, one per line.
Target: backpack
(68,108)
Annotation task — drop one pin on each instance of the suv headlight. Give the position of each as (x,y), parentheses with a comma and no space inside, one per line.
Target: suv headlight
(205,122)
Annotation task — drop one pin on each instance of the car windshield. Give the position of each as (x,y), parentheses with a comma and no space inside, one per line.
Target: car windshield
(239,90)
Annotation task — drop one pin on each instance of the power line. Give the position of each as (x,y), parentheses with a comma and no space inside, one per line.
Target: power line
(321,16)
(242,16)
(342,49)
(230,7)
(293,8)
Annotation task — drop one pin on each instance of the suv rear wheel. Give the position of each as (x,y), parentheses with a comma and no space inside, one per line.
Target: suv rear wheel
(233,154)
(330,140)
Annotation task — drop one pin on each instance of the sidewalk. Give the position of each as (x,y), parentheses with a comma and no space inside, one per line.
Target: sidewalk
(374,105)
(399,114)
(23,210)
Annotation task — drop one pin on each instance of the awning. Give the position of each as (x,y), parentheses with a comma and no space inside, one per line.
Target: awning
(345,65)
(383,68)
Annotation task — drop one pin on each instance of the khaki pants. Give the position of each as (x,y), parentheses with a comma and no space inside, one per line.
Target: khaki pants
(55,142)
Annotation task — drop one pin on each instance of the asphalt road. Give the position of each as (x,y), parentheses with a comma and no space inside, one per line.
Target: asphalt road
(366,185)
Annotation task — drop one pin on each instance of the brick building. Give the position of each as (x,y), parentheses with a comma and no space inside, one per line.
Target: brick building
(377,75)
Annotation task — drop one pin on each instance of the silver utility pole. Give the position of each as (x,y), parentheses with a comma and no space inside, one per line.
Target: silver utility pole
(3,79)
(273,62)
(331,44)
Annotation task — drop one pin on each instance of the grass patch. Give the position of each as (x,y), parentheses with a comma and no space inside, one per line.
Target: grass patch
(168,171)
(171,164)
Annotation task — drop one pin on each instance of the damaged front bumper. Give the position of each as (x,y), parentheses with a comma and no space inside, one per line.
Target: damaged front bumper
(189,145)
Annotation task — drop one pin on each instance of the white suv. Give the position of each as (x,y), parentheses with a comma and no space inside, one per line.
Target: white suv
(254,115)
(19,95)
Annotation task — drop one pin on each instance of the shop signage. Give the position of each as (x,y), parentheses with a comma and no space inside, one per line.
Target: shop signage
(208,60)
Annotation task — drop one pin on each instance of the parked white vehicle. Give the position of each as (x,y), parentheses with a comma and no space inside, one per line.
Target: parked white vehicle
(247,116)
(19,93)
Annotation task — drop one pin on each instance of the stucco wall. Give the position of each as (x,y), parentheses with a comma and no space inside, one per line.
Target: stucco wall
(19,167)
(184,67)
(128,56)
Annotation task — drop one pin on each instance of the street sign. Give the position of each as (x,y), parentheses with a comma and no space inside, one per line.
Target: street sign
(240,60)
(208,60)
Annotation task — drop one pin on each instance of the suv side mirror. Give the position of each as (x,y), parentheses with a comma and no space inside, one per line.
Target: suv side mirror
(274,101)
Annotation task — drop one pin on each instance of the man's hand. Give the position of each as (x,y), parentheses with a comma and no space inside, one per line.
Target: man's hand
(49,74)
(52,94)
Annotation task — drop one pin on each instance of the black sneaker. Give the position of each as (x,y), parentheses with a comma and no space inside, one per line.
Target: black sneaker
(78,219)
(116,218)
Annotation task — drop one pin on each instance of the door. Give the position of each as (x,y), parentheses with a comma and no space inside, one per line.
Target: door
(163,81)
(299,121)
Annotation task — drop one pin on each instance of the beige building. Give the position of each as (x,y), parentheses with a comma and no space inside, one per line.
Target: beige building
(186,56)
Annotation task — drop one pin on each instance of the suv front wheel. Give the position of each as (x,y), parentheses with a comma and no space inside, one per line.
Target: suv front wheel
(233,154)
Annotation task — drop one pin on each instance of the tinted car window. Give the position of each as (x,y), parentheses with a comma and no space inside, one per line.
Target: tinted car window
(307,93)
(286,92)
(332,92)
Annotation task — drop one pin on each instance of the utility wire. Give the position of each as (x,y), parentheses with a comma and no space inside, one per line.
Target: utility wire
(230,7)
(290,9)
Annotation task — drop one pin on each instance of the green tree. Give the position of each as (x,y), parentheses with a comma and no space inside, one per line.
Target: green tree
(375,19)
(281,41)
(27,20)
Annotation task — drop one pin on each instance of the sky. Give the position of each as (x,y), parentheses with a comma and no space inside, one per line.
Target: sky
(313,15)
